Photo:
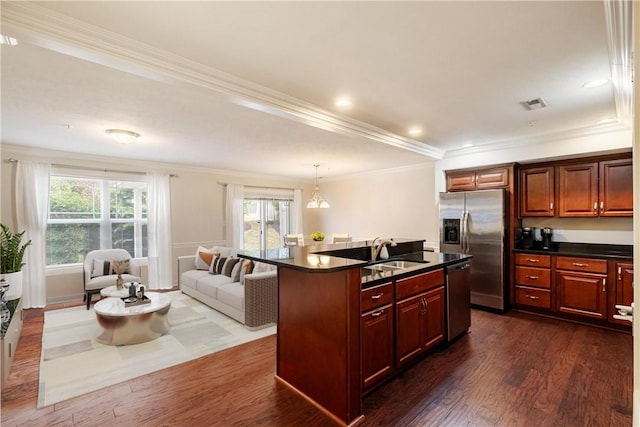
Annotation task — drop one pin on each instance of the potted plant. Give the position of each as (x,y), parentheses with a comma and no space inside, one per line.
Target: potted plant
(11,255)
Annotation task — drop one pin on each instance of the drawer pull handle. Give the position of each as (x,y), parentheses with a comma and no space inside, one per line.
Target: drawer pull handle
(377,296)
(533,277)
(533,260)
(579,264)
(377,313)
(533,297)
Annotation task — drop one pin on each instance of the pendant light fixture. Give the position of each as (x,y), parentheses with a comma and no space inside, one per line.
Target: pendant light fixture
(316,199)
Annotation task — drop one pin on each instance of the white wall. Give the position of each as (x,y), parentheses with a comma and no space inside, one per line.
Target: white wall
(196,205)
(390,203)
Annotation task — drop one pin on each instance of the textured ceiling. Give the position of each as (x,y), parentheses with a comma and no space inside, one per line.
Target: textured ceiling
(249,86)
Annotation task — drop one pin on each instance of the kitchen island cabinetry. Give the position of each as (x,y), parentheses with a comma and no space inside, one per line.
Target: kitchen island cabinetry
(419,315)
(377,323)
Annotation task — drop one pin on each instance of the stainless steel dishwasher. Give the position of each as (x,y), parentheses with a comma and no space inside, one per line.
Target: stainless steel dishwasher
(458,299)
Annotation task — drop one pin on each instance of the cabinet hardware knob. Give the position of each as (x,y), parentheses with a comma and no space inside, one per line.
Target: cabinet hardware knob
(579,264)
(601,206)
(533,277)
(377,296)
(604,284)
(551,206)
(532,297)
(533,260)
(377,313)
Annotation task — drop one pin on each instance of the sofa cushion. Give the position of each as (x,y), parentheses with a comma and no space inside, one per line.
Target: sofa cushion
(208,284)
(189,278)
(204,257)
(232,294)
(261,267)
(103,267)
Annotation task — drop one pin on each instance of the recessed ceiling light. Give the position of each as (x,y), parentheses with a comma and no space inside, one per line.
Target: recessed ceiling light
(343,102)
(123,136)
(415,131)
(595,83)
(8,40)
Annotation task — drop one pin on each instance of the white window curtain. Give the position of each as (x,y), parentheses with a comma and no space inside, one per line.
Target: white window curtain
(32,210)
(235,216)
(159,231)
(296,212)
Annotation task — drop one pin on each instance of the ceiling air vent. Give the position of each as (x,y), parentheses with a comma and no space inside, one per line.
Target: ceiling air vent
(534,104)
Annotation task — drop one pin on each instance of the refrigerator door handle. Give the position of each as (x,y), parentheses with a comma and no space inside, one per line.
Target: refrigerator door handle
(462,231)
(466,232)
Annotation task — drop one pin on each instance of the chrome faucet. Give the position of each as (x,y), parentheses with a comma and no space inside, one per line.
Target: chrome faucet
(376,251)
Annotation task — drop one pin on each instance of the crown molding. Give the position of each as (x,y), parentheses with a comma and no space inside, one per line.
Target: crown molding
(51,30)
(560,136)
(619,23)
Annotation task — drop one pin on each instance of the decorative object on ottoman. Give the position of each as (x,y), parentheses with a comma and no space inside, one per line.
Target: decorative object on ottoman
(120,267)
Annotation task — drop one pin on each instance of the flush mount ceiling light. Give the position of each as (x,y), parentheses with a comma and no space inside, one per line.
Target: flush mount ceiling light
(316,199)
(123,136)
(595,83)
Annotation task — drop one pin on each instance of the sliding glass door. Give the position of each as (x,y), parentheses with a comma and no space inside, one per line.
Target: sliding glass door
(266,221)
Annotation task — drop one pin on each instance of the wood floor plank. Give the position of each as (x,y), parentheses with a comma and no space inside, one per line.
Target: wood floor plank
(511,370)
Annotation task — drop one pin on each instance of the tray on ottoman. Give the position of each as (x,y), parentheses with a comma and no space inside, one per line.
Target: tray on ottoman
(131,301)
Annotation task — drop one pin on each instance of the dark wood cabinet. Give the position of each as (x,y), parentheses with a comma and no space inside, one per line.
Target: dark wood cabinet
(377,342)
(578,190)
(377,345)
(533,280)
(537,191)
(419,324)
(480,179)
(581,285)
(622,274)
(616,188)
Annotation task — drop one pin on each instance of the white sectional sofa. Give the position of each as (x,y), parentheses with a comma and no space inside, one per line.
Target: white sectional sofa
(251,301)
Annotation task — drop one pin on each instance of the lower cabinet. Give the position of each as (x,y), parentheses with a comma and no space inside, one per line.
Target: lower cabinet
(582,286)
(419,324)
(622,273)
(377,345)
(10,338)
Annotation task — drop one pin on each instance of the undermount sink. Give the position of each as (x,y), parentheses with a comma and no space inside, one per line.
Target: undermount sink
(393,265)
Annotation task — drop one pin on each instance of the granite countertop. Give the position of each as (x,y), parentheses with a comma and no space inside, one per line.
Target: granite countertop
(590,250)
(326,258)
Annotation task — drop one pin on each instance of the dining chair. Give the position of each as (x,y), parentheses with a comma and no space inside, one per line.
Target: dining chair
(341,238)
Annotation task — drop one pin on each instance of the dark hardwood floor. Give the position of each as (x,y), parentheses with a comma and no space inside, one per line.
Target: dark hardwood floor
(511,370)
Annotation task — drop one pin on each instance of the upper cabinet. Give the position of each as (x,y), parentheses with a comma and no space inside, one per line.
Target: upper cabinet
(588,189)
(479,179)
(537,191)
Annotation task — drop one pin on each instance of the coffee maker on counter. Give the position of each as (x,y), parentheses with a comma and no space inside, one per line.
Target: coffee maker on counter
(527,237)
(546,238)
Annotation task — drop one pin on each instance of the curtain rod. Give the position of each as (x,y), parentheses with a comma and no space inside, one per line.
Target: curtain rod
(260,186)
(58,165)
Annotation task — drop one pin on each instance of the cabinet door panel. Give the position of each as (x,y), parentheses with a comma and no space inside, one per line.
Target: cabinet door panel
(433,317)
(623,290)
(537,192)
(582,293)
(377,345)
(408,329)
(578,190)
(461,181)
(616,188)
(492,178)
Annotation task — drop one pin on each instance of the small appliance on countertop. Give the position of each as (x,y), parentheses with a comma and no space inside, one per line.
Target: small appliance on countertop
(546,238)
(527,238)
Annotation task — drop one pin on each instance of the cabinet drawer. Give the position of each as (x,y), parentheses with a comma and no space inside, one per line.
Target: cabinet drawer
(531,276)
(376,296)
(421,282)
(534,297)
(581,264)
(533,260)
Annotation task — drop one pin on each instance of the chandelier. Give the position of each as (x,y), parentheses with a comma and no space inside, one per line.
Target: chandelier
(316,199)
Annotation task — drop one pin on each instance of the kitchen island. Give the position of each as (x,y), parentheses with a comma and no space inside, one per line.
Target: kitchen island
(323,293)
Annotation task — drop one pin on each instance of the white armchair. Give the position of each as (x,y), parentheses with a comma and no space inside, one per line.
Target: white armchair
(95,280)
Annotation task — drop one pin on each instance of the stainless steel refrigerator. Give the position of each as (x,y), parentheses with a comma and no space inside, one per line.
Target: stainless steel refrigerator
(475,222)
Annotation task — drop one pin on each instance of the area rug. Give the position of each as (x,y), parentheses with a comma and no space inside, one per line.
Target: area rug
(74,363)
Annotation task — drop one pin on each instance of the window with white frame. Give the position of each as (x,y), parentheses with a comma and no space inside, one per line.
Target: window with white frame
(266,217)
(88,213)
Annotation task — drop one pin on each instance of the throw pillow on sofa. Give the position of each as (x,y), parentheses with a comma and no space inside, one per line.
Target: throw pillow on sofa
(227,269)
(217,265)
(204,257)
(245,268)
